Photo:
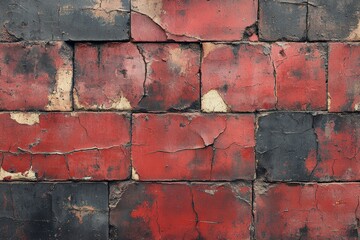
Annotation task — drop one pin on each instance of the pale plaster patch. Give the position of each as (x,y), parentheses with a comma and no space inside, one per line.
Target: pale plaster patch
(208,48)
(176,58)
(121,104)
(213,102)
(329,101)
(152,9)
(134,174)
(59,99)
(25,118)
(355,33)
(27,175)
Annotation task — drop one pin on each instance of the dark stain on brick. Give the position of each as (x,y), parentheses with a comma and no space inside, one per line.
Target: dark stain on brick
(284,142)
(250,31)
(124,198)
(333,20)
(281,20)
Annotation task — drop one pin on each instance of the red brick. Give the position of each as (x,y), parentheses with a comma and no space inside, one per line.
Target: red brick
(237,77)
(193,147)
(59,146)
(310,211)
(344,77)
(180,211)
(35,76)
(300,76)
(220,20)
(339,145)
(123,76)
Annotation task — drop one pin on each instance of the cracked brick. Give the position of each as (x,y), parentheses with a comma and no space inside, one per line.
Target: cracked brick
(206,147)
(308,211)
(237,77)
(300,76)
(220,20)
(180,211)
(125,76)
(88,146)
(35,76)
(94,20)
(344,77)
(53,211)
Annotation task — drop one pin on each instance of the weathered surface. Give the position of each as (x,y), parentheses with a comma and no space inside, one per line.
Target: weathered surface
(237,77)
(35,76)
(344,77)
(54,211)
(309,211)
(339,147)
(286,146)
(124,76)
(334,20)
(59,146)
(193,147)
(300,76)
(282,20)
(64,20)
(193,20)
(180,211)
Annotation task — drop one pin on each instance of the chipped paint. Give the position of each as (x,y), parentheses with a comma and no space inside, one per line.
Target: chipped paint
(25,118)
(121,104)
(81,211)
(107,10)
(177,60)
(152,9)
(211,191)
(213,102)
(357,107)
(27,175)
(59,99)
(355,34)
(208,48)
(134,174)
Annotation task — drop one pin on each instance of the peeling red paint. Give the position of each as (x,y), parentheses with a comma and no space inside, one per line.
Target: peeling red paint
(220,20)
(216,147)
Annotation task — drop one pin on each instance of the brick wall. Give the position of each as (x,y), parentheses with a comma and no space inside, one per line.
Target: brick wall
(186,119)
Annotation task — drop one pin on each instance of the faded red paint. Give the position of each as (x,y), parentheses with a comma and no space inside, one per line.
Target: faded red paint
(124,76)
(242,74)
(193,147)
(31,72)
(300,76)
(339,147)
(181,211)
(107,72)
(90,146)
(344,77)
(310,211)
(220,20)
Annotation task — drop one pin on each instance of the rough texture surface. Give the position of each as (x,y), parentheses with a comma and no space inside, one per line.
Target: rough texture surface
(206,147)
(54,211)
(186,119)
(93,20)
(180,211)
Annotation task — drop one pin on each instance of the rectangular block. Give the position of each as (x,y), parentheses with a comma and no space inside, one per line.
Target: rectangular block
(300,75)
(344,77)
(193,20)
(150,77)
(54,211)
(282,20)
(35,76)
(334,20)
(193,147)
(63,146)
(307,211)
(339,147)
(286,147)
(237,77)
(92,20)
(300,147)
(180,211)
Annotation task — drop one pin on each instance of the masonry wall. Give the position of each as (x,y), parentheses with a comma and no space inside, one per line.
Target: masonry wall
(186,119)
